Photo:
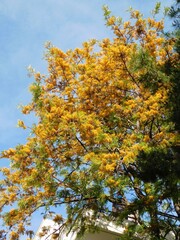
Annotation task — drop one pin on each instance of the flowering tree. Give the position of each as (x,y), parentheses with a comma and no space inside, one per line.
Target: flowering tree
(104,139)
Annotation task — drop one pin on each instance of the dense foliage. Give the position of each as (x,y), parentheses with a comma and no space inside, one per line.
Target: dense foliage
(105,138)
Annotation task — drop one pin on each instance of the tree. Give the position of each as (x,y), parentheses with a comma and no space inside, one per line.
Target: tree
(174,13)
(105,139)
(175,98)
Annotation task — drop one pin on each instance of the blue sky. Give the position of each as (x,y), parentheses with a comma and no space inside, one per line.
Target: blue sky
(25,27)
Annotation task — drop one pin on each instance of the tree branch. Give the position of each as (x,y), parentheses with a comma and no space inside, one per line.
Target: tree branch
(168,215)
(82,144)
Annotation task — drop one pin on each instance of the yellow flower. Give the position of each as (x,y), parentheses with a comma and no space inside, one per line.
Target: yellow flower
(21,124)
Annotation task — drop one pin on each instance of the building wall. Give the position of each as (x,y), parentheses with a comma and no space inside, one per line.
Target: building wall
(102,235)
(109,234)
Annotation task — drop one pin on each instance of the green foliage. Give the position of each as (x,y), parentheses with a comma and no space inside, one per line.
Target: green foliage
(174,13)
(157,8)
(158,165)
(106,11)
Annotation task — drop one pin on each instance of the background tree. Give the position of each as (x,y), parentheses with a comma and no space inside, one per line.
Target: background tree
(174,13)
(105,139)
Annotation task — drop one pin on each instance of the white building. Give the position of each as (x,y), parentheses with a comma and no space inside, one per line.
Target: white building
(108,232)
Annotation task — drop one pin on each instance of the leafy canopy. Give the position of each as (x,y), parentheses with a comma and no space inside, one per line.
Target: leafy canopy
(104,138)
